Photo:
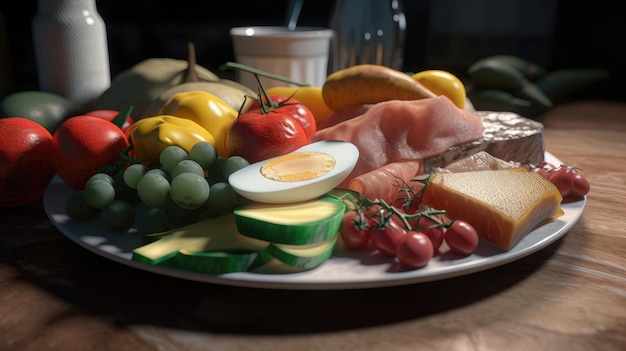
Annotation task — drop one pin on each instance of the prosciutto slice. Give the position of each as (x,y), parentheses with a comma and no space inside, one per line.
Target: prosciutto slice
(386,183)
(398,130)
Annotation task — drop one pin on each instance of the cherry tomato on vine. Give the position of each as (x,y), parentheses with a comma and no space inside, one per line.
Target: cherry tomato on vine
(563,179)
(541,171)
(580,186)
(292,108)
(432,230)
(385,237)
(355,229)
(414,250)
(461,237)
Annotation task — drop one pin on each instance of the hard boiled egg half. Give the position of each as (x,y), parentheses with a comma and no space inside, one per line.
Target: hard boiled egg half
(304,174)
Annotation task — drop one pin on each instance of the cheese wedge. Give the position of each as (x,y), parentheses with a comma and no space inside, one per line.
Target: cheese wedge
(502,205)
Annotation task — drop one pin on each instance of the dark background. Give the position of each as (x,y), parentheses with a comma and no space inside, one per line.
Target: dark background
(441,34)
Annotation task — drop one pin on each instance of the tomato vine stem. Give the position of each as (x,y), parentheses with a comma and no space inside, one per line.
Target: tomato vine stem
(258,72)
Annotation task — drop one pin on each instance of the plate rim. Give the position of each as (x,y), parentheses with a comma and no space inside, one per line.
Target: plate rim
(302,280)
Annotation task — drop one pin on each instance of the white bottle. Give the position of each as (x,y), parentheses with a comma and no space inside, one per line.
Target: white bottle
(71,49)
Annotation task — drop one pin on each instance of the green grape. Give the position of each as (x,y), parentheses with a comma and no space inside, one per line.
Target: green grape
(189,190)
(222,198)
(204,153)
(171,155)
(98,193)
(162,172)
(150,219)
(122,190)
(118,215)
(153,189)
(215,172)
(187,166)
(233,164)
(102,176)
(180,216)
(133,173)
(77,209)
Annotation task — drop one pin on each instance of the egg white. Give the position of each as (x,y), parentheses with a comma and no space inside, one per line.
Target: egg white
(251,184)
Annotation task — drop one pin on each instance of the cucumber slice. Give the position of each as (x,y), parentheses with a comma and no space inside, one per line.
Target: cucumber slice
(214,234)
(214,262)
(299,223)
(303,256)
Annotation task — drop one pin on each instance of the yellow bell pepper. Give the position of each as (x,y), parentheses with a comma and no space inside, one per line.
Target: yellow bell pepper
(309,96)
(206,109)
(151,135)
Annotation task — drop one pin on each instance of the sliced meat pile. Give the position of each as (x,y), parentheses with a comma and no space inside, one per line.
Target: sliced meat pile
(403,133)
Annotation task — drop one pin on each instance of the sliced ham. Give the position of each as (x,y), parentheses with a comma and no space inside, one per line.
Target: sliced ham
(397,130)
(386,183)
(341,116)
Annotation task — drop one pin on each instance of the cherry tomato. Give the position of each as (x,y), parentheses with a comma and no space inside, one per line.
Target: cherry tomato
(414,250)
(292,108)
(580,186)
(385,237)
(432,230)
(461,237)
(541,171)
(355,229)
(563,179)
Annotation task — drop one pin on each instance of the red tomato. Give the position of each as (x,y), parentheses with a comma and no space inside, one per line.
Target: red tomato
(290,107)
(563,179)
(25,165)
(541,171)
(109,115)
(81,145)
(355,229)
(461,237)
(432,230)
(414,250)
(580,186)
(385,237)
(256,136)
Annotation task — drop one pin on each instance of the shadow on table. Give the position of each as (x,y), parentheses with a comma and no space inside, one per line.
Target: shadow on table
(129,296)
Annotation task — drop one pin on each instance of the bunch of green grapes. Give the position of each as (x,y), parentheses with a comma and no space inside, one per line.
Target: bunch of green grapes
(184,188)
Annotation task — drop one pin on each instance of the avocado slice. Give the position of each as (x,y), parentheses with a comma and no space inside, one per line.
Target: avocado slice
(298,223)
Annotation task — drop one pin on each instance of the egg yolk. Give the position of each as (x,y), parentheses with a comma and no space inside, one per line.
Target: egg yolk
(298,166)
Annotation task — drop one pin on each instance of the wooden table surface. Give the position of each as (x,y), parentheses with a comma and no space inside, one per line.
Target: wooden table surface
(55,295)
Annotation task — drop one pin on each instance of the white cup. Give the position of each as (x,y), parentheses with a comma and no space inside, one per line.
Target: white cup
(300,54)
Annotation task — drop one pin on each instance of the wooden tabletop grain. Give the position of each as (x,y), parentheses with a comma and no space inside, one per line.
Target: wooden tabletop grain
(55,295)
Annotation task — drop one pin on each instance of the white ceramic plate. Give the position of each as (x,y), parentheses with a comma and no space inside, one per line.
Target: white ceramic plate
(346,269)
